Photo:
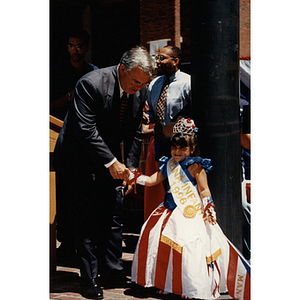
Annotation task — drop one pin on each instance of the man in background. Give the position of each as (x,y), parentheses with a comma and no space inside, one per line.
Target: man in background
(65,75)
(169,96)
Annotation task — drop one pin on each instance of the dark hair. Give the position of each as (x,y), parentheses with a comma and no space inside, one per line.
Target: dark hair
(82,34)
(186,140)
(176,51)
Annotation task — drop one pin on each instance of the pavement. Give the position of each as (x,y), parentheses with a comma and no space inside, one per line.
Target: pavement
(65,281)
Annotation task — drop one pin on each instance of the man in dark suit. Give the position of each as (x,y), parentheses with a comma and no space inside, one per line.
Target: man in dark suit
(106,109)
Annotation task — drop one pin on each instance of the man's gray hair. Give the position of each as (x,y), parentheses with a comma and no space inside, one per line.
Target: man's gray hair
(138,57)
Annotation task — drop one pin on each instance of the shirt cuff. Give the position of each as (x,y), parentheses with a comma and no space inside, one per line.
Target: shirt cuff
(110,163)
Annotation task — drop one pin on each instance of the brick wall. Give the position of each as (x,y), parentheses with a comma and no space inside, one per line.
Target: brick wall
(159,20)
(245,30)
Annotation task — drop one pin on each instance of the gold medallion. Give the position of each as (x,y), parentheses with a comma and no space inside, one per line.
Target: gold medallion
(190,211)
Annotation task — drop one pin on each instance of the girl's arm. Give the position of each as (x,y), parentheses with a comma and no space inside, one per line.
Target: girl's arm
(197,171)
(141,179)
(154,179)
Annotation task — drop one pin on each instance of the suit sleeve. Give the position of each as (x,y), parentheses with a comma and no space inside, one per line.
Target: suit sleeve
(85,97)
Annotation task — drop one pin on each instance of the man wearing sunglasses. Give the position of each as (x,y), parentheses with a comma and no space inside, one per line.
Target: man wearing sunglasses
(106,109)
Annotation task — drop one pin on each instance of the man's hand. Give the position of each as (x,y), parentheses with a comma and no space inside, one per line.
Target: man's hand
(129,187)
(119,171)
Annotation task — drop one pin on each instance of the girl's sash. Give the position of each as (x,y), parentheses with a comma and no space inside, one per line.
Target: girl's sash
(185,194)
(189,204)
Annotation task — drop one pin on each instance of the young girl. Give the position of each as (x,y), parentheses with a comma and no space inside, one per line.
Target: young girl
(178,251)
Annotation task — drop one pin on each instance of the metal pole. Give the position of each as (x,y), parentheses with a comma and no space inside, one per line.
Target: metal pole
(215,96)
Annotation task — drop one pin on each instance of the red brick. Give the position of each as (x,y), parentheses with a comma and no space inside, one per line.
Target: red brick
(159,20)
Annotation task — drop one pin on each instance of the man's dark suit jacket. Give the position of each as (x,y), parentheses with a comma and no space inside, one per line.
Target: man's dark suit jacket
(91,133)
(90,138)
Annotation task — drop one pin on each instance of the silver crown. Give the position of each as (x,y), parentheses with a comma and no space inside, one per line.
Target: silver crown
(185,126)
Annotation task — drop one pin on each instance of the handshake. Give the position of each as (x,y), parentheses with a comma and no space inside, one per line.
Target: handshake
(119,171)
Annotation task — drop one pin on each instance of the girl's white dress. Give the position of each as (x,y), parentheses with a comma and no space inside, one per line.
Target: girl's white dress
(173,255)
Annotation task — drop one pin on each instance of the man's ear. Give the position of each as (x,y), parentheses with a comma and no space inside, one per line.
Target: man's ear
(122,69)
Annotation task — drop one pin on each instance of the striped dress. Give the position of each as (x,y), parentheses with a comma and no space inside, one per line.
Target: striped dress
(187,264)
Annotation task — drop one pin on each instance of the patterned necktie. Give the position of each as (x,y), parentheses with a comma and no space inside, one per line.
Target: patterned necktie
(123,105)
(160,109)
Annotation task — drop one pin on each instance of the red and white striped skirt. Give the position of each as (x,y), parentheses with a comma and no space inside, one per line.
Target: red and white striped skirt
(179,264)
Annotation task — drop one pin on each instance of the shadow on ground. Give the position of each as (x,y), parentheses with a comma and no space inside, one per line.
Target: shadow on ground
(140,292)
(68,281)
(63,281)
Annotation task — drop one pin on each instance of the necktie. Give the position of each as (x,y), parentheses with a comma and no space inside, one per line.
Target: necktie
(123,105)
(160,109)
